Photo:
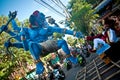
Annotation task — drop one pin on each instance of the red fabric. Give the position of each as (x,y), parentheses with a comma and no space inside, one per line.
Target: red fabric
(105,36)
(90,38)
(101,36)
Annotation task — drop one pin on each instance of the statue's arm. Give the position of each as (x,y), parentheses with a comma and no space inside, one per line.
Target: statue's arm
(15,26)
(66,31)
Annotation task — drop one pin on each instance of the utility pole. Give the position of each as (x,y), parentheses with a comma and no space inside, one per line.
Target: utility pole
(68,15)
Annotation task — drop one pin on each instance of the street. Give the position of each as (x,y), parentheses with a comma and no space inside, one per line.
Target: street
(71,74)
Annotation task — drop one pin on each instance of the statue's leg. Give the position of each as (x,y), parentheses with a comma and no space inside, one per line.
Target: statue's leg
(35,50)
(62,44)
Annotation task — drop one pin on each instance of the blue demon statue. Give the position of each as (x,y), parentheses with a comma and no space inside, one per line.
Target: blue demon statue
(35,39)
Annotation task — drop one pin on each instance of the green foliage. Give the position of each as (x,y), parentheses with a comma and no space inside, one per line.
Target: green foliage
(57,35)
(93,2)
(8,64)
(81,40)
(82,15)
(71,41)
(26,23)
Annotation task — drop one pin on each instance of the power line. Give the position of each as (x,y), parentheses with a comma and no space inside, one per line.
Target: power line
(57,3)
(53,8)
(40,3)
(49,6)
(65,9)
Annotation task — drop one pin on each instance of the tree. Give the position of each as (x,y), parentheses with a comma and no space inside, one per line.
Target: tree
(71,41)
(57,35)
(8,64)
(82,15)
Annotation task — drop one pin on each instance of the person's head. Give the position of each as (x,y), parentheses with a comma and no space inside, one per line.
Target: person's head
(109,23)
(53,55)
(37,19)
(92,34)
(115,18)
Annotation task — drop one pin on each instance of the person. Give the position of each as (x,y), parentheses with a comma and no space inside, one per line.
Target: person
(35,39)
(108,43)
(113,40)
(117,24)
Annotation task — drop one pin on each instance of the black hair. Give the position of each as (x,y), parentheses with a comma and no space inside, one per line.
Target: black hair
(110,22)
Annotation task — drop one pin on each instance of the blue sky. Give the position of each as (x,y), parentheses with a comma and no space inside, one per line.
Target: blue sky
(25,8)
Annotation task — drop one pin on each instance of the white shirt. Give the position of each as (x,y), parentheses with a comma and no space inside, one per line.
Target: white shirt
(100,45)
(112,36)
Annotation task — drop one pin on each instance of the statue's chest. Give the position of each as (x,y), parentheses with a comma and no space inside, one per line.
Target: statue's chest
(37,33)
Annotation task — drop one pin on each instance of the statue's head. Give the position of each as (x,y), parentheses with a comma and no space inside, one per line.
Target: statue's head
(37,19)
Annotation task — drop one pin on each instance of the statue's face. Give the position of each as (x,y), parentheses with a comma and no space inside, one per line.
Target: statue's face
(37,19)
(40,19)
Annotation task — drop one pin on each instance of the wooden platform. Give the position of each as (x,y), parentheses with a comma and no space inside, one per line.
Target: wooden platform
(98,70)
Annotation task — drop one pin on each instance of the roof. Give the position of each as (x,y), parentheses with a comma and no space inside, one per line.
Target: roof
(102,4)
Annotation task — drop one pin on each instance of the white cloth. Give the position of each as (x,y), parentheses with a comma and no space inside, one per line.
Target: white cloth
(112,36)
(100,46)
(98,41)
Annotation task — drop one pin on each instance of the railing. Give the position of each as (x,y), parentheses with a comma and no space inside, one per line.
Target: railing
(98,70)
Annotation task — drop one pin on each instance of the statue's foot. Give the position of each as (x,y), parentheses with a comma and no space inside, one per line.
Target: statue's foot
(3,28)
(39,68)
(74,60)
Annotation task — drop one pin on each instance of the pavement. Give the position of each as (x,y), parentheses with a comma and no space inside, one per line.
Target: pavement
(71,74)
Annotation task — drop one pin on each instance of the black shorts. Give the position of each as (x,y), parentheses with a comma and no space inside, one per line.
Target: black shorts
(49,46)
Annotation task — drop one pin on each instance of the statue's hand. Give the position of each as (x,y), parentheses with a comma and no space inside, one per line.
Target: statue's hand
(79,35)
(7,44)
(12,14)
(3,28)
